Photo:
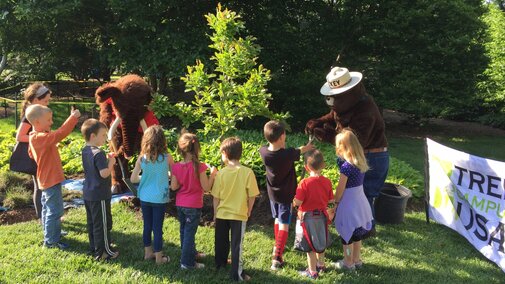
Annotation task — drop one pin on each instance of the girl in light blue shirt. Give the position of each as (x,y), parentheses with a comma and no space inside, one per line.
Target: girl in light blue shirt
(154,161)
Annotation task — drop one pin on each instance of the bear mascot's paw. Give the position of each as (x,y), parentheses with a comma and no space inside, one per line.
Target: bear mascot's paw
(323,131)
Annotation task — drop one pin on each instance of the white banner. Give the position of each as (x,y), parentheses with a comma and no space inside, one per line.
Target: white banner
(466,194)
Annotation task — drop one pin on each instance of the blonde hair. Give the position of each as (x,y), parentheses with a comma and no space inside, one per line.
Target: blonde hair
(34,112)
(188,145)
(30,94)
(153,143)
(347,146)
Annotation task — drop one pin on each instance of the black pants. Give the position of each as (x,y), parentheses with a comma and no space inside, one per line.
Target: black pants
(37,198)
(222,245)
(99,219)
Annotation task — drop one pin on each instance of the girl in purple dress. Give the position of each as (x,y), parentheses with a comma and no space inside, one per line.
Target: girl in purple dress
(353,219)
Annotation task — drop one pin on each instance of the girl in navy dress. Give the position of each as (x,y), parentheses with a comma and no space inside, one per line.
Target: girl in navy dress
(353,219)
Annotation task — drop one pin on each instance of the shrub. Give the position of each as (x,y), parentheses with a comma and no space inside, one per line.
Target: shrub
(17,197)
(7,142)
(402,173)
(70,152)
(235,90)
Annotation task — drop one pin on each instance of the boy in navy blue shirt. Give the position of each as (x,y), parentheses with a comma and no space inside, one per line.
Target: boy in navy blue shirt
(96,190)
(279,164)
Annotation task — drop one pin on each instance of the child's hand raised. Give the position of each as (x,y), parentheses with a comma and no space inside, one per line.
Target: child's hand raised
(306,148)
(75,112)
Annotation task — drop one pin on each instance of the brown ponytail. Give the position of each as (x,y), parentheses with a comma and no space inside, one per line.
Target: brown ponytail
(30,94)
(188,144)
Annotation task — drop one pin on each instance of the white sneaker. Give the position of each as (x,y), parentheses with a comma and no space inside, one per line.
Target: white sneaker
(340,265)
(276,265)
(197,266)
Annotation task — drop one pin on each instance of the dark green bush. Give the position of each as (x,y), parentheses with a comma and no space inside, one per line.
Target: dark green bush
(400,172)
(70,150)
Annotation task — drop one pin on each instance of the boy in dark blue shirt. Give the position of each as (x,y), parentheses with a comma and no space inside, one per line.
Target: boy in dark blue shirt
(96,190)
(279,164)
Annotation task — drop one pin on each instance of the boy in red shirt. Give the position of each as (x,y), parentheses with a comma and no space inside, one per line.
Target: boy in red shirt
(43,150)
(312,195)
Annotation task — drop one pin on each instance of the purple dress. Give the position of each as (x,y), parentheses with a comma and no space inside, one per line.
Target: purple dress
(353,211)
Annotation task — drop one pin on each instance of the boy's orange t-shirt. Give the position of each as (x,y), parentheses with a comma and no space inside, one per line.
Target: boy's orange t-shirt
(44,151)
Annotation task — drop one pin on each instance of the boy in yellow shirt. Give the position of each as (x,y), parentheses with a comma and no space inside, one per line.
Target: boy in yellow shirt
(234,192)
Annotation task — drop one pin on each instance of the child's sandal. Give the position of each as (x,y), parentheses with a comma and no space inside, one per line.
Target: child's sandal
(164,259)
(200,255)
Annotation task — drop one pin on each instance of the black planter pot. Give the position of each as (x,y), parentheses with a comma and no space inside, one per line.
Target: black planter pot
(391,203)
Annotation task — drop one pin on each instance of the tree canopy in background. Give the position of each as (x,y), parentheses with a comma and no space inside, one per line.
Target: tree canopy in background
(492,85)
(426,58)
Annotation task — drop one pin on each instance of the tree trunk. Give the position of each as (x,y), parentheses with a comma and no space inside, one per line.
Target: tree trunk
(3,63)
(163,85)
(154,83)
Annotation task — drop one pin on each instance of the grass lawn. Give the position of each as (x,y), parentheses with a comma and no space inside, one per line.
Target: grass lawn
(411,149)
(414,252)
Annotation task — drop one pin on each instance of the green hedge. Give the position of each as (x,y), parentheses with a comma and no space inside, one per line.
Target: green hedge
(70,152)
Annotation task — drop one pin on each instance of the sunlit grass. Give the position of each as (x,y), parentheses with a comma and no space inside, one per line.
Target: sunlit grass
(413,252)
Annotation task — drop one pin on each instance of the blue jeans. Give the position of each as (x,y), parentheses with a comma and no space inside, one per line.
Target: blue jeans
(376,176)
(188,219)
(52,210)
(153,214)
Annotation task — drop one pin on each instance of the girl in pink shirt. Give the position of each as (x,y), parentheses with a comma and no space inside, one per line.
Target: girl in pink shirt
(190,181)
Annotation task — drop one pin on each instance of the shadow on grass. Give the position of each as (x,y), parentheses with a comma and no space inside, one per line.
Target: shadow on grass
(418,250)
(131,257)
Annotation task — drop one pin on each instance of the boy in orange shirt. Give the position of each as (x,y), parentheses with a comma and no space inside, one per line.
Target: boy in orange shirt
(43,150)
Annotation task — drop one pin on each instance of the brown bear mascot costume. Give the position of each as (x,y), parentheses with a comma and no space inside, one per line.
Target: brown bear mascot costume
(352,107)
(123,108)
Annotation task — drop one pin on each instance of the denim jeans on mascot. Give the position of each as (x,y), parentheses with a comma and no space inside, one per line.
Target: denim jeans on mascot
(52,210)
(188,219)
(375,176)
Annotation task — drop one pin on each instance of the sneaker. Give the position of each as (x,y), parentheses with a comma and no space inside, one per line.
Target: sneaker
(307,273)
(358,264)
(197,266)
(58,245)
(246,277)
(276,265)
(107,257)
(340,265)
